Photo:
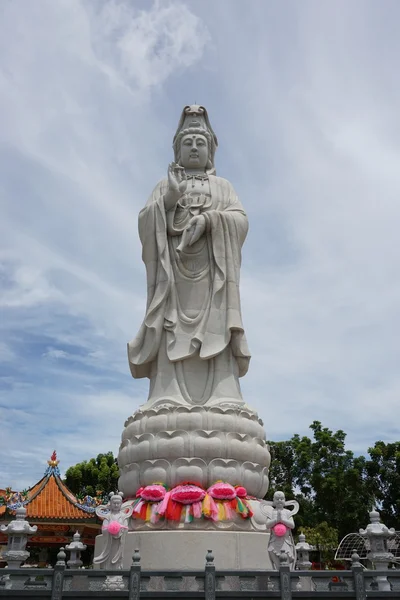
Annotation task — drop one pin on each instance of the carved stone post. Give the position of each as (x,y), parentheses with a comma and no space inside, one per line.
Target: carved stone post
(134,577)
(378,534)
(58,576)
(358,574)
(209,582)
(284,575)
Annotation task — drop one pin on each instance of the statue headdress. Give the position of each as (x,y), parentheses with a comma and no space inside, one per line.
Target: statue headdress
(118,495)
(194,119)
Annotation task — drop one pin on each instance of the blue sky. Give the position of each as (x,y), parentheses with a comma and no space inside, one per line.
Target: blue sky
(304,98)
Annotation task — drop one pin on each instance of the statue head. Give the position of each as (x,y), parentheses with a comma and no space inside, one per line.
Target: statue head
(115,502)
(195,141)
(279,500)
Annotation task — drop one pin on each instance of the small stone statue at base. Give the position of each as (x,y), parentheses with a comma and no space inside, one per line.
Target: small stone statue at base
(280,523)
(114,528)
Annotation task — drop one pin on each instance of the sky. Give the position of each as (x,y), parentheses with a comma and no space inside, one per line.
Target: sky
(304,98)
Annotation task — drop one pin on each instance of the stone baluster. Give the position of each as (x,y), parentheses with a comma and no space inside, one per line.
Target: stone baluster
(58,576)
(358,575)
(209,582)
(284,576)
(135,576)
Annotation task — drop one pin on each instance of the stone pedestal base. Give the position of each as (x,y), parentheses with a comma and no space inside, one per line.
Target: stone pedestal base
(186,550)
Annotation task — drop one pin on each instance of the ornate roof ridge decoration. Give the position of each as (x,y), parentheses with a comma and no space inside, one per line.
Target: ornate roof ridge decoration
(88,503)
(52,468)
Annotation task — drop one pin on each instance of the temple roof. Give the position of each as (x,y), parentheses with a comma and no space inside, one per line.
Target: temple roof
(50,498)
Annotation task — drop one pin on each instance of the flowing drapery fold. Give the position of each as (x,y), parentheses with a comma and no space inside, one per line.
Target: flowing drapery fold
(220,323)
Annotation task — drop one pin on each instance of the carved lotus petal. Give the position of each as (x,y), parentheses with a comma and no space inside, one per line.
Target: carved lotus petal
(264,484)
(261,453)
(240,446)
(224,470)
(157,422)
(208,445)
(138,423)
(141,447)
(172,445)
(249,425)
(254,478)
(221,420)
(152,471)
(128,421)
(190,419)
(129,480)
(124,442)
(134,428)
(189,469)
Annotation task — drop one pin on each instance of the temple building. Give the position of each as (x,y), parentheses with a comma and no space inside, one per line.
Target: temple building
(56,511)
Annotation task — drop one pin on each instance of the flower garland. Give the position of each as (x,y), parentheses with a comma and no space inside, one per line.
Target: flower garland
(188,501)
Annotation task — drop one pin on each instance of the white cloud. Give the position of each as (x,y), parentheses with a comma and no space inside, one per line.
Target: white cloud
(305,105)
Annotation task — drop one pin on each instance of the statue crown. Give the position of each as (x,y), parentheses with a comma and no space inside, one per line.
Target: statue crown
(194,119)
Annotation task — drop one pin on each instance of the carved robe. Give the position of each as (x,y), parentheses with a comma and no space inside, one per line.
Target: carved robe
(192,344)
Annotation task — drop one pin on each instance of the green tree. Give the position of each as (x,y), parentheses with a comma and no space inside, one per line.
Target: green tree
(333,478)
(329,482)
(98,474)
(282,477)
(324,539)
(383,468)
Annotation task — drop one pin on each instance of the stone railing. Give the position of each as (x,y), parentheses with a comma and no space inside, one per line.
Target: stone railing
(209,583)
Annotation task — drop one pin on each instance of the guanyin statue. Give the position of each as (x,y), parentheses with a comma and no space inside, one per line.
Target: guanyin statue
(195,427)
(192,344)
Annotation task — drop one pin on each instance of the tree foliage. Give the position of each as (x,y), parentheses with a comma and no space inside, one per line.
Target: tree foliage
(93,476)
(333,485)
(324,539)
(383,469)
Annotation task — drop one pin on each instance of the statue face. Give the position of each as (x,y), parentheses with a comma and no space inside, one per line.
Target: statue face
(194,151)
(116,504)
(279,500)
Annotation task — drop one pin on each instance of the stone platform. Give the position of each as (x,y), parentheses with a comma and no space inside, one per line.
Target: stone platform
(185,550)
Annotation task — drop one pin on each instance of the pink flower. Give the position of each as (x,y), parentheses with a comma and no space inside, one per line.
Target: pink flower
(241,491)
(187,494)
(153,493)
(222,491)
(114,527)
(279,529)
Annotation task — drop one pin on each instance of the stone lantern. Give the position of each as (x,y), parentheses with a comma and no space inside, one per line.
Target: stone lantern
(18,532)
(378,534)
(303,553)
(75,548)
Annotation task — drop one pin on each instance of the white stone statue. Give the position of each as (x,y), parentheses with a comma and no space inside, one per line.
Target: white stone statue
(114,529)
(280,523)
(192,344)
(195,426)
